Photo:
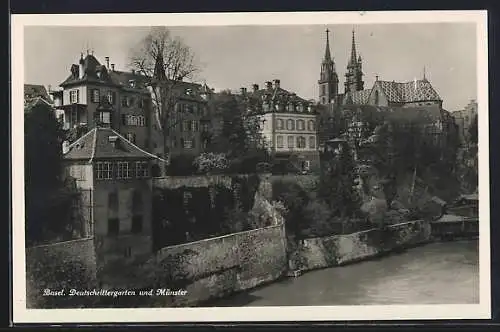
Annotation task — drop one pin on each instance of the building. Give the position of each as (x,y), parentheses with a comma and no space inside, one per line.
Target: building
(114,176)
(329,80)
(464,120)
(33,91)
(99,95)
(288,123)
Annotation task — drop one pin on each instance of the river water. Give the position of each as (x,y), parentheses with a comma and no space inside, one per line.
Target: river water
(437,273)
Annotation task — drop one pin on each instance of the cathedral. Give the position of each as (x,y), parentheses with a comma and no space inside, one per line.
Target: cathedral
(383,93)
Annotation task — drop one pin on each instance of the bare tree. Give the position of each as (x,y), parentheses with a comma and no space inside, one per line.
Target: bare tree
(165,61)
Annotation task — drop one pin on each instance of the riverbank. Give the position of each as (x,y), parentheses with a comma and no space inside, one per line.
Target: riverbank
(434,273)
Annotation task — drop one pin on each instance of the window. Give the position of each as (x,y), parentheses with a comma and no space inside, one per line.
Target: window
(186,125)
(323,90)
(113,226)
(280,124)
(205,127)
(279,141)
(96,96)
(311,125)
(187,144)
(134,120)
(141,169)
(105,117)
(312,142)
(125,101)
(74,96)
(131,102)
(111,96)
(131,137)
(301,142)
(195,125)
(290,124)
(104,170)
(301,125)
(123,171)
(290,142)
(128,252)
(136,224)
(113,201)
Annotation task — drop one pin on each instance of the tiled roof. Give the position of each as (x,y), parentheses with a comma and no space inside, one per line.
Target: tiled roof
(95,145)
(36,90)
(32,102)
(407,92)
(357,97)
(276,94)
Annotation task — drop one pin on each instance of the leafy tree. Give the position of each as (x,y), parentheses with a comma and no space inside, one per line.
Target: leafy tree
(239,136)
(42,165)
(336,184)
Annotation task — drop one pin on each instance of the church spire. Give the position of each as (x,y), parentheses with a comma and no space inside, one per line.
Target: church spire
(353,49)
(328,56)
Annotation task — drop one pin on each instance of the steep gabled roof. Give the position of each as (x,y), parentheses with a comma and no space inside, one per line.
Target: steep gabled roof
(96,145)
(32,102)
(407,92)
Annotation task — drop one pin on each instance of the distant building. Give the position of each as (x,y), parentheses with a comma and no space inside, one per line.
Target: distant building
(33,91)
(114,176)
(288,123)
(464,119)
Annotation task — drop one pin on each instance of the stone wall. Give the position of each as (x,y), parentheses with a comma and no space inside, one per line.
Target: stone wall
(216,267)
(60,266)
(336,250)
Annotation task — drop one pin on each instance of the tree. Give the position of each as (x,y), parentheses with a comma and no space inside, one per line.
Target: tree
(337,184)
(239,136)
(165,61)
(42,165)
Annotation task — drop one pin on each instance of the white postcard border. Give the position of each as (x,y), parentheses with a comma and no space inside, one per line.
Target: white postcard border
(309,313)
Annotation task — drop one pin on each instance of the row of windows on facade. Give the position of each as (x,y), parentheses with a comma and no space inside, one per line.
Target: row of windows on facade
(290,107)
(295,124)
(189,143)
(121,170)
(127,101)
(301,142)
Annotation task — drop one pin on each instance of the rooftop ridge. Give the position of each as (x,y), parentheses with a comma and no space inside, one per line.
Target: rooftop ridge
(135,146)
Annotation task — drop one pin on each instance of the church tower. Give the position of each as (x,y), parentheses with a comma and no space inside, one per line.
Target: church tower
(328,81)
(354,75)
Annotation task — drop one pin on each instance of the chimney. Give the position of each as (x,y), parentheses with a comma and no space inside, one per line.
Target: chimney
(80,69)
(276,84)
(255,87)
(269,85)
(243,91)
(376,77)
(113,67)
(107,62)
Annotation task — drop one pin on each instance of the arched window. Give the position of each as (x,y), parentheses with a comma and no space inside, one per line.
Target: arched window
(311,125)
(290,125)
(279,124)
(300,125)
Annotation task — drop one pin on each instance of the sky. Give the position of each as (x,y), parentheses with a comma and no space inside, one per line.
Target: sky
(230,57)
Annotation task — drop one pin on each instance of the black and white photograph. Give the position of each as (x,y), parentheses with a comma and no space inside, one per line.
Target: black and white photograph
(250,166)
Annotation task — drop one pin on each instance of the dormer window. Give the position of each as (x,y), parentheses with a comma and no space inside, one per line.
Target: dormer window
(131,83)
(189,92)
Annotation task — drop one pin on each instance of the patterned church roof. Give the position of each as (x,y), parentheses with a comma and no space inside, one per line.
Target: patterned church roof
(407,92)
(357,97)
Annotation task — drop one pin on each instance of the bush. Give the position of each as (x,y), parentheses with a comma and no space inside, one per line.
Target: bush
(211,162)
(182,165)
(319,217)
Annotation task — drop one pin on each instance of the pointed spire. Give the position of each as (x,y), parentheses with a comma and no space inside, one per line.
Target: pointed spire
(328,56)
(353,48)
(159,70)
